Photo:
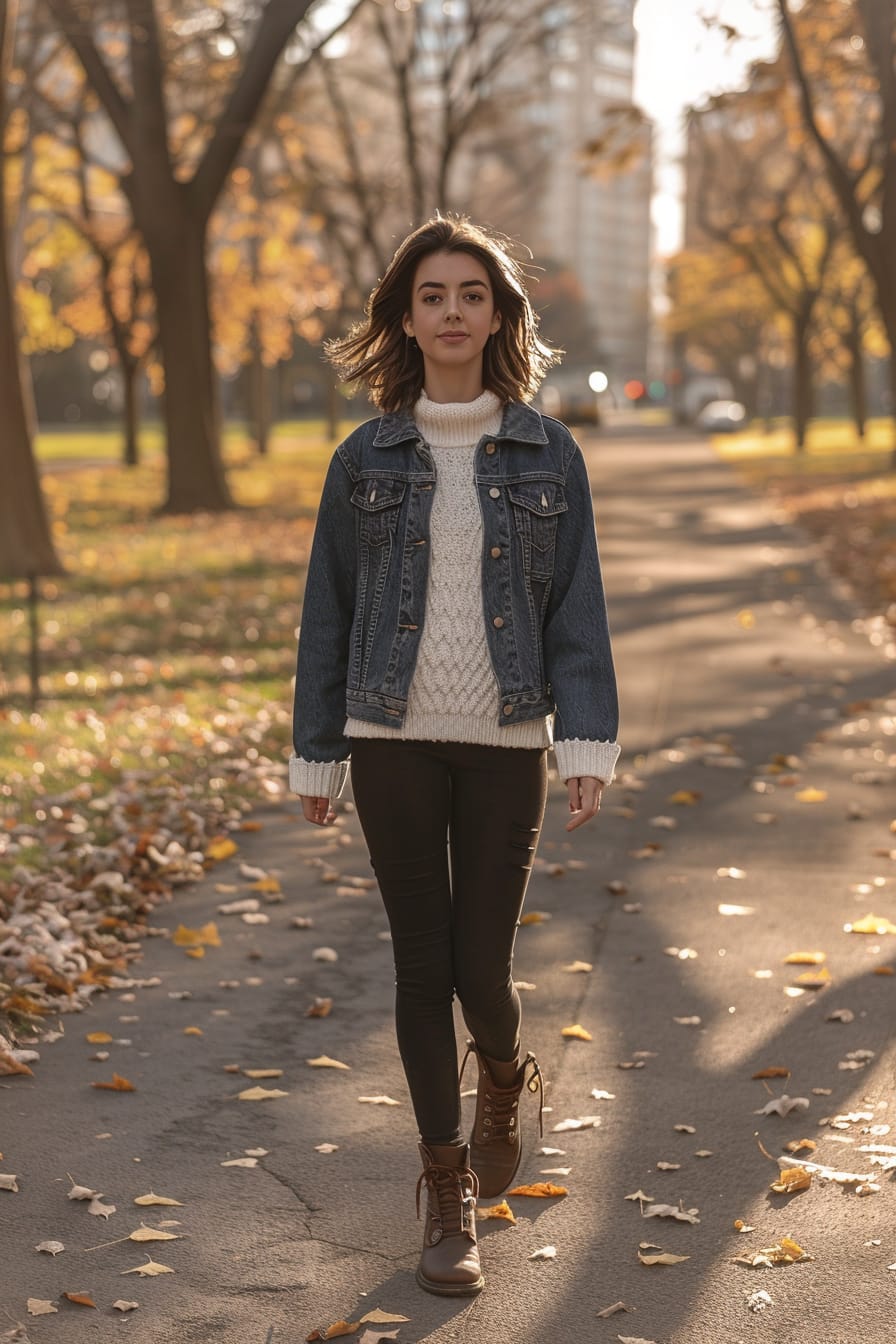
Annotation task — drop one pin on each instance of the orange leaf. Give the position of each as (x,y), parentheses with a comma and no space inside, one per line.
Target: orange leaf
(540,1190)
(534,917)
(502,1210)
(10,1065)
(118,1084)
(98,1037)
(334,1331)
(83,1299)
(884,970)
(577,1033)
(320,1008)
(195,951)
(184,937)
(773,1072)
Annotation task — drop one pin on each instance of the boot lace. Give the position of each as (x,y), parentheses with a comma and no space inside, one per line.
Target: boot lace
(451,1200)
(500,1105)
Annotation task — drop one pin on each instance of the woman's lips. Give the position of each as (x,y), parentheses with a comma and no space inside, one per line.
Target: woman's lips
(453,337)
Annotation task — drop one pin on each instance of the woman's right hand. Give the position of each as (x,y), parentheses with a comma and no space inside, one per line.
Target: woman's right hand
(317,810)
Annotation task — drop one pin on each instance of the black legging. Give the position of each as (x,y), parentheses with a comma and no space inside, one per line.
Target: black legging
(452,932)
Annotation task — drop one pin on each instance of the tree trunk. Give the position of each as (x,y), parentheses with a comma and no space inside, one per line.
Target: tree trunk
(259,397)
(196,478)
(858,387)
(26,543)
(803,390)
(130,370)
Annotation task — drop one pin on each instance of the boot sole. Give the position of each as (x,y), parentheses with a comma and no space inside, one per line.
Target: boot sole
(450,1289)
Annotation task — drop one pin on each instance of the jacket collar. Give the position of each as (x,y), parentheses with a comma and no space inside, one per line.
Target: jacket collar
(520,422)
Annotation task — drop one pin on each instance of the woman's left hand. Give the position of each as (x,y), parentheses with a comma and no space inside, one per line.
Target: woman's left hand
(584,799)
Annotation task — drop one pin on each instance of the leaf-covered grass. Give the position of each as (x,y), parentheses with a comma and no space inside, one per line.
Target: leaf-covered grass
(169,646)
(842,489)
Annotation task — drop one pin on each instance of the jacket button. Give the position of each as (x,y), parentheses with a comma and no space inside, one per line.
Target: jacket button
(498,622)
(495,492)
(508,709)
(495,552)
(490,448)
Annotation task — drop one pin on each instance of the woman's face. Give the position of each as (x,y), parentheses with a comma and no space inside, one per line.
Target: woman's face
(452,311)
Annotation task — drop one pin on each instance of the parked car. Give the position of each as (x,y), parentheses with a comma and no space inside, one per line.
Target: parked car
(565,394)
(722,417)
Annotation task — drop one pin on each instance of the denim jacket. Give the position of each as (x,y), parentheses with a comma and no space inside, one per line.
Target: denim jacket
(365,594)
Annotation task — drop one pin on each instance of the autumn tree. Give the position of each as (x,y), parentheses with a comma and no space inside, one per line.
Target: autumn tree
(757,195)
(180,87)
(849,329)
(843,56)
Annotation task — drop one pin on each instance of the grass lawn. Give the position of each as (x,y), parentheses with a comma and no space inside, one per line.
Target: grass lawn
(168,649)
(840,488)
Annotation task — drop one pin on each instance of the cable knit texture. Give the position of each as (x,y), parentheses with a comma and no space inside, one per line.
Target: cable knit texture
(454,696)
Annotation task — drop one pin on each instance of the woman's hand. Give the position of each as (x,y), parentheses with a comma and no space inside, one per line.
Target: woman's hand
(584,799)
(317,810)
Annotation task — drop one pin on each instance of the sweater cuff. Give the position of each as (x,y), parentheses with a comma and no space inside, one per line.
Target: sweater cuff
(576,757)
(317,779)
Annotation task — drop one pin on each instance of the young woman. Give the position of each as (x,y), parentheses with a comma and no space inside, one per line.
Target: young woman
(453,610)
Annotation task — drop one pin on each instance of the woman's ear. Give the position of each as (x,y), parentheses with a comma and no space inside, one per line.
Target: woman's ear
(407,325)
(496,322)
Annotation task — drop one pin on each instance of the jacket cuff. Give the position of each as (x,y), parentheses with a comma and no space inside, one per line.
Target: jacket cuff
(317,779)
(576,757)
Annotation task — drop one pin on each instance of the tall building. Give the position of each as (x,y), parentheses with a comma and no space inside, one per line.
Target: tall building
(599,225)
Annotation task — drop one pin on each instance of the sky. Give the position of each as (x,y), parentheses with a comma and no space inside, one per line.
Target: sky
(678,62)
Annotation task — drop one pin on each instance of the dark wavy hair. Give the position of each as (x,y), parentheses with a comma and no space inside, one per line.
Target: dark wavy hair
(377,353)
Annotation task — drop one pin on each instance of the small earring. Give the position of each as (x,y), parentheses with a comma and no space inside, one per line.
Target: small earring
(412,340)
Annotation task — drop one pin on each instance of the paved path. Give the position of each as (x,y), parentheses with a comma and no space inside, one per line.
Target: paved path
(742,681)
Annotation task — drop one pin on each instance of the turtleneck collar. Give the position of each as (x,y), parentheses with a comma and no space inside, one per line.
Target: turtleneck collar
(457,424)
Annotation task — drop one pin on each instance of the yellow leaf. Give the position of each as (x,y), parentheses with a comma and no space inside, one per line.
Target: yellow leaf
(577,1033)
(805,958)
(877,924)
(746,619)
(815,979)
(207,935)
(797,1145)
(685,797)
(193,1031)
(261,1094)
(502,1210)
(98,1037)
(118,1084)
(195,951)
(268,884)
(791,1247)
(325,1062)
(221,847)
(263,1073)
(150,1270)
(534,917)
(153,1198)
(811,795)
(152,1234)
(540,1190)
(791,1180)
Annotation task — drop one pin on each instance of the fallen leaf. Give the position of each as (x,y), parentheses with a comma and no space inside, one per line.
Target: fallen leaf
(98,1037)
(246,906)
(639,1195)
(737,873)
(502,1210)
(687,1021)
(875,924)
(320,1008)
(221,847)
(797,1145)
(546,1152)
(577,1033)
(583,1122)
(682,1214)
(759,1301)
(725,909)
(540,1190)
(814,979)
(599,1094)
(334,1331)
(256,1074)
(555,1171)
(207,936)
(377,1317)
(534,917)
(579,966)
(805,958)
(616,888)
(704,1152)
(82,1192)
(653,1255)
(811,795)
(784,1252)
(153,1198)
(121,1305)
(668,1166)
(380,1101)
(741,1226)
(241,1162)
(634,1339)
(150,1270)
(82,1299)
(612,1310)
(775,1071)
(684,1129)
(51,1247)
(99,1209)
(326,1147)
(783,1105)
(261,1094)
(118,1084)
(256,1152)
(38,1306)
(791,1180)
(144,1233)
(841,1015)
(269,885)
(685,797)
(377,1336)
(324,954)
(193,1031)
(545,1253)
(9,1182)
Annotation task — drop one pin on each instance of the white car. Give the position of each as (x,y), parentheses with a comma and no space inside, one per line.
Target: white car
(722,417)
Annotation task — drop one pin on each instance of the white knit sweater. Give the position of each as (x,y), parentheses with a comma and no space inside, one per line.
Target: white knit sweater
(454,696)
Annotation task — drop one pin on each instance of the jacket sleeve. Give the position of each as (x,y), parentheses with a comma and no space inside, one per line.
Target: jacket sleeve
(576,641)
(319,765)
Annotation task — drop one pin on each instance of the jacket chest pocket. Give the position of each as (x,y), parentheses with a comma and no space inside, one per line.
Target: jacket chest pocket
(378,503)
(536,507)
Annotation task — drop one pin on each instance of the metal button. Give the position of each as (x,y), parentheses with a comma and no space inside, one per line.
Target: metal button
(495,552)
(508,709)
(490,448)
(498,622)
(495,492)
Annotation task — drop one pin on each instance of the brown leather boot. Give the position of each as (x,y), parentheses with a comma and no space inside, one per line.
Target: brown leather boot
(449,1264)
(495,1144)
